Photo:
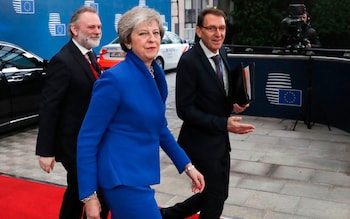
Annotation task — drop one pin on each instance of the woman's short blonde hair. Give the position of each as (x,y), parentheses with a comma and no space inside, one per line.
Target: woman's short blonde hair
(133,18)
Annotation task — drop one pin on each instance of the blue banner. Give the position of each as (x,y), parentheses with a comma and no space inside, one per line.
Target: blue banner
(289,97)
(47,21)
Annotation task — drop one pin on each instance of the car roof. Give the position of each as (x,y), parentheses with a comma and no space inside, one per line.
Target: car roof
(5,43)
(10,44)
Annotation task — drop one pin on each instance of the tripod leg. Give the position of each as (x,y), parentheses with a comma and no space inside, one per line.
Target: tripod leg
(295,124)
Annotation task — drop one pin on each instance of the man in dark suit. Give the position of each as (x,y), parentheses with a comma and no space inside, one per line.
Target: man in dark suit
(205,106)
(65,99)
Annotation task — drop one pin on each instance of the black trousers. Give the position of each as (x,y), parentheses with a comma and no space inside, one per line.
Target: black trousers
(210,202)
(72,207)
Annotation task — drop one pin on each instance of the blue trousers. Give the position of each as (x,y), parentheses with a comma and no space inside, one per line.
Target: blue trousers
(126,202)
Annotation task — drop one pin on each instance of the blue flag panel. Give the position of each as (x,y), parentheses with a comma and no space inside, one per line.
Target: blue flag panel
(289,97)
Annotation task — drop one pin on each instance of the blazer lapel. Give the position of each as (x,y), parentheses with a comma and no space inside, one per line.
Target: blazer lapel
(229,73)
(160,81)
(224,58)
(206,64)
(82,62)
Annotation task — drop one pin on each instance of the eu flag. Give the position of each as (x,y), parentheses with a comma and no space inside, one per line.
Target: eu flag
(289,97)
(27,7)
(94,6)
(60,29)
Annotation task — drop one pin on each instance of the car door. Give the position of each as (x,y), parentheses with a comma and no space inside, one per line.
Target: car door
(5,100)
(24,74)
(171,49)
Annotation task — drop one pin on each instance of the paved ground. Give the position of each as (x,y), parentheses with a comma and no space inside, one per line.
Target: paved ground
(276,173)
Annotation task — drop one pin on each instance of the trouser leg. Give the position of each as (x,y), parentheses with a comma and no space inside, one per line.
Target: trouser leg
(217,175)
(71,207)
(183,209)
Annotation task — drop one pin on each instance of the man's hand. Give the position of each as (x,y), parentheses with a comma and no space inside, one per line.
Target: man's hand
(238,108)
(234,125)
(47,163)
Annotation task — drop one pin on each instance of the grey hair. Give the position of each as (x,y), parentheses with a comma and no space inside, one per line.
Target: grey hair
(133,18)
(74,21)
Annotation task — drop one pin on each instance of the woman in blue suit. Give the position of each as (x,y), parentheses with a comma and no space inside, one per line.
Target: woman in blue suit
(118,143)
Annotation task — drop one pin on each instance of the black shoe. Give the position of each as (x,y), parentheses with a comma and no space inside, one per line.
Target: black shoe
(161,210)
(163,213)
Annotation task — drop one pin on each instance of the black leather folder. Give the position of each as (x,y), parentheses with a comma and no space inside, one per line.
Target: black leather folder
(242,84)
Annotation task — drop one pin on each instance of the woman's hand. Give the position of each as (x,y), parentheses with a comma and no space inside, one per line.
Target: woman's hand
(197,178)
(93,209)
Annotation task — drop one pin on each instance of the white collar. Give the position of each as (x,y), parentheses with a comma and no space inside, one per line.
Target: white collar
(82,49)
(207,52)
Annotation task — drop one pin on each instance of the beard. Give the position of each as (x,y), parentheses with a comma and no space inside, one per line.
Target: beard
(93,41)
(89,41)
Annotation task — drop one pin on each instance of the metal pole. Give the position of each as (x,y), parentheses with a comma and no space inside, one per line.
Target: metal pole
(196,7)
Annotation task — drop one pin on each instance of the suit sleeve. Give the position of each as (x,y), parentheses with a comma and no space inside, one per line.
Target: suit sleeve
(52,98)
(100,112)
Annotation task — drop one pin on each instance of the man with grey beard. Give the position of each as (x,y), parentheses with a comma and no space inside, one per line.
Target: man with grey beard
(65,97)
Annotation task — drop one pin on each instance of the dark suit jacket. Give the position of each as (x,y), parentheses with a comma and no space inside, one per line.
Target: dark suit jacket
(203,106)
(65,99)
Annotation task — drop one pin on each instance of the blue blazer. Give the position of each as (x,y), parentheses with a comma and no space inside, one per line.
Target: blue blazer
(125,124)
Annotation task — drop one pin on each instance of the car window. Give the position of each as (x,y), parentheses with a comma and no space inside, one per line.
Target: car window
(12,57)
(165,39)
(173,38)
(116,41)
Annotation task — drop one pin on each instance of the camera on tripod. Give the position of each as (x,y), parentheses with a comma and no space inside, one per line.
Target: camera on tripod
(292,27)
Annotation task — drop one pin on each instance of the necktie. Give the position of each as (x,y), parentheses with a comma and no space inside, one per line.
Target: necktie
(93,62)
(90,57)
(217,60)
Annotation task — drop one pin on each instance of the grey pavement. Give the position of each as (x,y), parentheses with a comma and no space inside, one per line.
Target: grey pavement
(276,173)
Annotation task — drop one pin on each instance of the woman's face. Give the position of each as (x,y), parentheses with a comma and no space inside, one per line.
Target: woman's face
(145,41)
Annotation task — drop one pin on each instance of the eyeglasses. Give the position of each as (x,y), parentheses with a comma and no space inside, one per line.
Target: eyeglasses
(214,29)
